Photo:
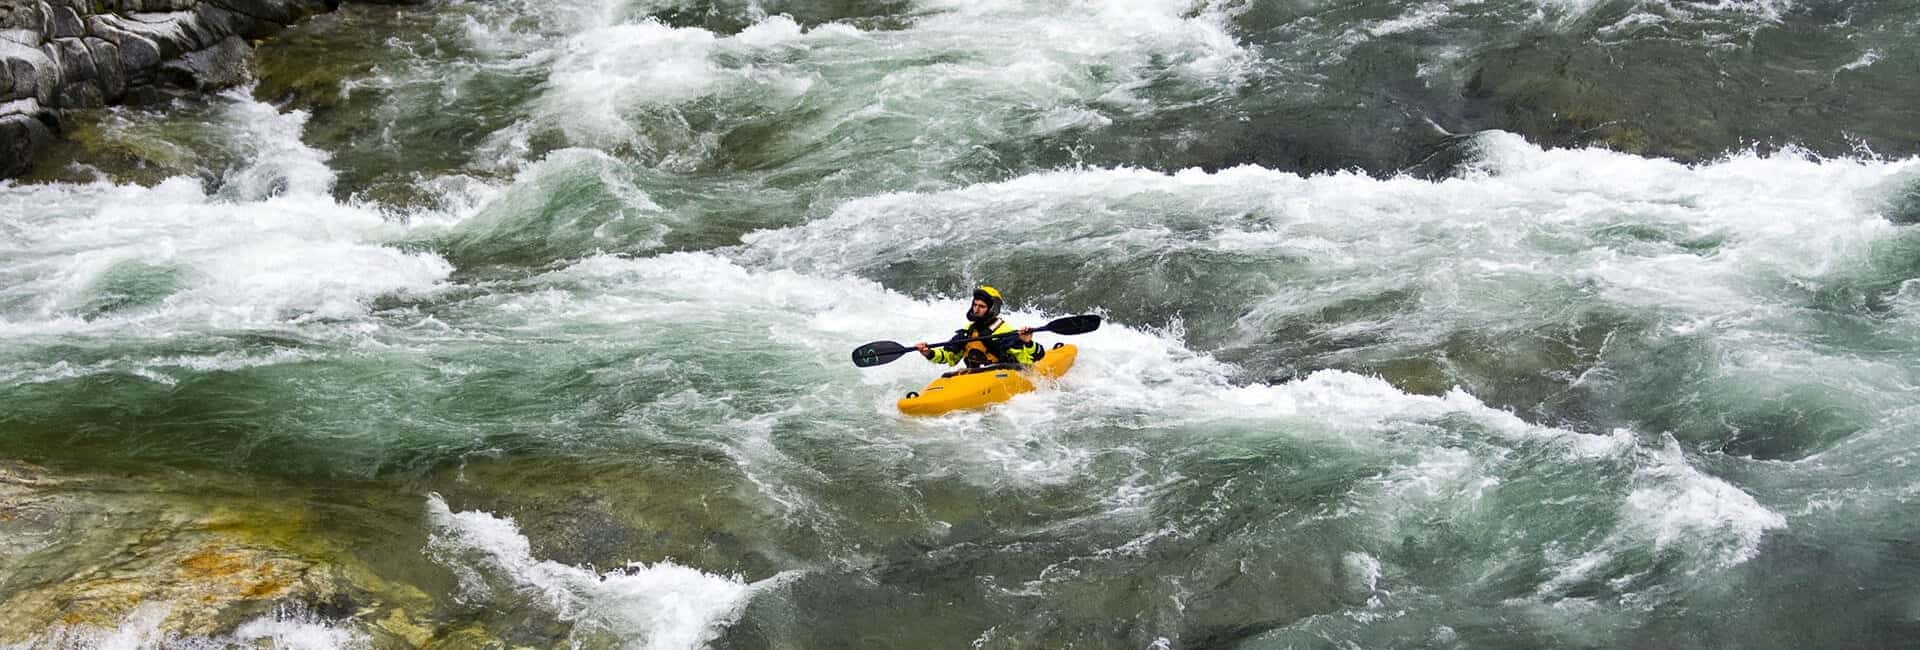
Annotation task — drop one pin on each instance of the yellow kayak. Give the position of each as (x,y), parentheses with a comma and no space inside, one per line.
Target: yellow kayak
(977,389)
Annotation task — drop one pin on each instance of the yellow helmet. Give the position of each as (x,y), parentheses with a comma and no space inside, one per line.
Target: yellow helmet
(989,295)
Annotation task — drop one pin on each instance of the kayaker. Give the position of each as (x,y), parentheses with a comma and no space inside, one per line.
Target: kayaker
(1009,347)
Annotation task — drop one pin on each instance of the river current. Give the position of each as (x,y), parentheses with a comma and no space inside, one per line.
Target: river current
(1429,323)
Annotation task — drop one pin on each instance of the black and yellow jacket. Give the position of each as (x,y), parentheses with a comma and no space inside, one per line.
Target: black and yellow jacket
(1005,347)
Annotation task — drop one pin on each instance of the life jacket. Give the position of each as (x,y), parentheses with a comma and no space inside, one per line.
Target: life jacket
(977,354)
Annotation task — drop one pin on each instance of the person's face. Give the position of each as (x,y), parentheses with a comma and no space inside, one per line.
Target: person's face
(979,308)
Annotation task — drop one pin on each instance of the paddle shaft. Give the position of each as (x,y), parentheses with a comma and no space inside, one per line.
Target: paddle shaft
(930,345)
(879,352)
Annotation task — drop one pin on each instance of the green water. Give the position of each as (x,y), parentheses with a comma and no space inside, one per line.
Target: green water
(1429,324)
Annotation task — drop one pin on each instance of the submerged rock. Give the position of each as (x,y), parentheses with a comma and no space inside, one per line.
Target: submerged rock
(1785,85)
(87,557)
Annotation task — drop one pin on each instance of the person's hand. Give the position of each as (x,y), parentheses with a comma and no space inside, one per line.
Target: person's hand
(924,351)
(1026,335)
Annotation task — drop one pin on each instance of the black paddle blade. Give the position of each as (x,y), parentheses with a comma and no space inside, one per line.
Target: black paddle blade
(878,352)
(1073,324)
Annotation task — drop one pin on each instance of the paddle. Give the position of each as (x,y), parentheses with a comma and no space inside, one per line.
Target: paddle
(879,352)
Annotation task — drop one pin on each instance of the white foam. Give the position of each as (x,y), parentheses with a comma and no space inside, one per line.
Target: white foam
(603,73)
(1124,32)
(1670,508)
(277,160)
(297,630)
(151,368)
(288,258)
(620,83)
(1770,10)
(1420,17)
(1675,505)
(143,627)
(1481,253)
(1666,505)
(806,325)
(1127,377)
(571,200)
(1362,572)
(663,605)
(1867,58)
(269,248)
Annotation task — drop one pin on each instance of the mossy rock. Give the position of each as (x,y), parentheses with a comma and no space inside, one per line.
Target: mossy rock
(91,150)
(308,65)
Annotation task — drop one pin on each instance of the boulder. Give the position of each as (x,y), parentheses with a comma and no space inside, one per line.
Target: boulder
(138,54)
(202,33)
(19,77)
(28,107)
(79,80)
(222,66)
(34,74)
(66,23)
(282,12)
(85,554)
(77,54)
(26,16)
(172,29)
(108,65)
(160,29)
(20,37)
(24,74)
(228,22)
(21,139)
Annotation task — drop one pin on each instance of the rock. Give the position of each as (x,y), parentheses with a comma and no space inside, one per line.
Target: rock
(226,21)
(51,72)
(34,74)
(75,61)
(295,70)
(221,66)
(28,17)
(84,555)
(205,33)
(111,71)
(88,150)
(32,515)
(80,94)
(184,29)
(79,81)
(181,28)
(282,12)
(66,23)
(164,34)
(20,37)
(65,54)
(138,55)
(26,78)
(16,87)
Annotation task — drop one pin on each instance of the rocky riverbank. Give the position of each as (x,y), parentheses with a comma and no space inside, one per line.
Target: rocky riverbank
(58,56)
